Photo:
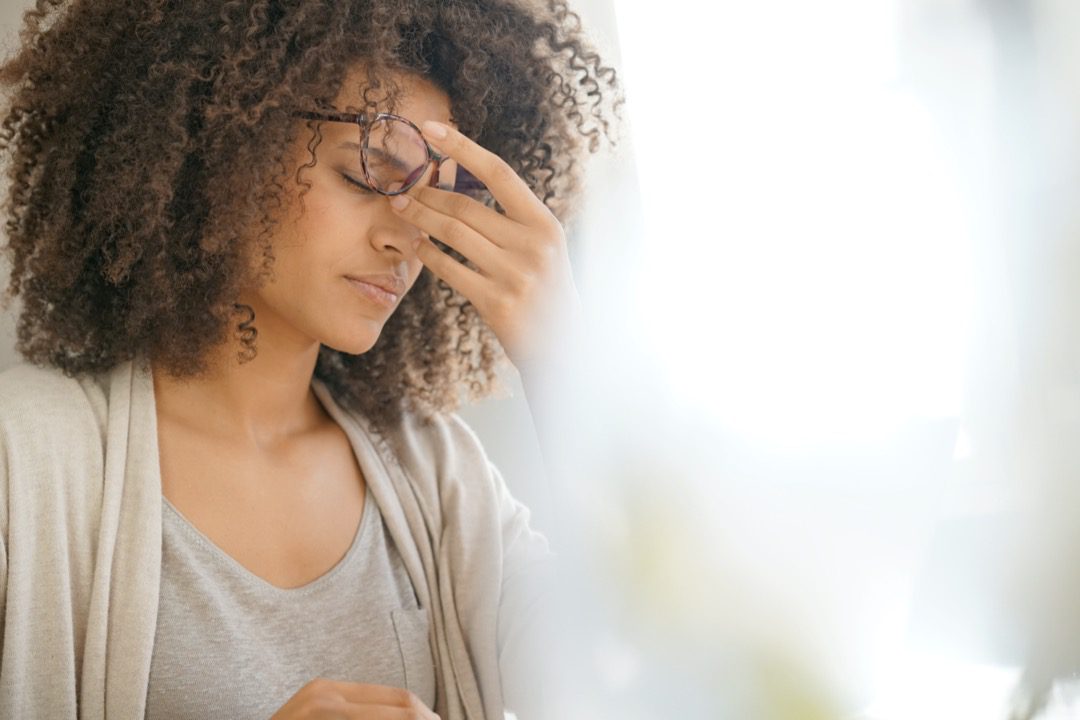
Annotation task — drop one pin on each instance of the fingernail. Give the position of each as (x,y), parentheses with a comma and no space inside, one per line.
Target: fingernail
(400,202)
(434,129)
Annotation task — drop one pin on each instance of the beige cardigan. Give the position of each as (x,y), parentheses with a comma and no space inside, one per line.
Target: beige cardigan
(80,567)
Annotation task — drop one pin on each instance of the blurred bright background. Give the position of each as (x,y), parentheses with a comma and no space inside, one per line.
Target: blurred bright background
(818,462)
(835,369)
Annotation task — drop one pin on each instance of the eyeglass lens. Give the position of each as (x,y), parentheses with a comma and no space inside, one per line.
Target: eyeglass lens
(396,156)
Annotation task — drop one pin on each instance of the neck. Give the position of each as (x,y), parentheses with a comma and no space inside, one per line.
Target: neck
(262,404)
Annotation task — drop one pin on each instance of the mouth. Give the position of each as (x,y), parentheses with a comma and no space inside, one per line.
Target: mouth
(376,293)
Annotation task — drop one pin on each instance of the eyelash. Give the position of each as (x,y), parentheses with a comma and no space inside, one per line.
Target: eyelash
(358,185)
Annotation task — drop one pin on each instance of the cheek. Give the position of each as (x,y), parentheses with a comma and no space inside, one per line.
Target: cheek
(320,211)
(325,225)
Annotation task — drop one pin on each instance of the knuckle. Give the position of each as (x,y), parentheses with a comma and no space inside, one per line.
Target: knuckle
(525,282)
(503,306)
(317,686)
(543,253)
(424,193)
(454,232)
(404,697)
(460,205)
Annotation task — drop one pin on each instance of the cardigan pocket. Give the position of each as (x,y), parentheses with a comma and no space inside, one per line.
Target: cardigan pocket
(411,626)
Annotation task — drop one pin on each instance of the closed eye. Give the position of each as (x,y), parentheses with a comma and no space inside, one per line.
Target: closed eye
(358,184)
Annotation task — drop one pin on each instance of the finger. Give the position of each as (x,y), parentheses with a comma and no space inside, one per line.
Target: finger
(481,251)
(374,694)
(464,279)
(505,185)
(497,228)
(368,711)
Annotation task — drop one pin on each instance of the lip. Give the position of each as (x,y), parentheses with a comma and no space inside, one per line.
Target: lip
(385,290)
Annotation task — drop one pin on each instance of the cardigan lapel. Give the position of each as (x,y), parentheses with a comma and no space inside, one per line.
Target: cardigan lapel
(127,579)
(124,599)
(416,535)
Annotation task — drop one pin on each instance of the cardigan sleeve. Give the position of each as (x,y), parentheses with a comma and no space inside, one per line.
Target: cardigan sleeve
(507,596)
(3,541)
(527,632)
(5,504)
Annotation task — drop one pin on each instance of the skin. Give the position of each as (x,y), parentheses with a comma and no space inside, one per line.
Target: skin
(524,289)
(267,403)
(255,436)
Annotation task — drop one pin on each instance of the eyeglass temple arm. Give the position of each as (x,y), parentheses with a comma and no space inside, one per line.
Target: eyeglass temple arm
(357,118)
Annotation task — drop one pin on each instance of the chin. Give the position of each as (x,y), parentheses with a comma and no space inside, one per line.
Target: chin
(355,344)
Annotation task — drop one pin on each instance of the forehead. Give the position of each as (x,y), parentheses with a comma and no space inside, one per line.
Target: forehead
(419,98)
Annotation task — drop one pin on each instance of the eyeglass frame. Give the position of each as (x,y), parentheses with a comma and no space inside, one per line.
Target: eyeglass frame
(361,120)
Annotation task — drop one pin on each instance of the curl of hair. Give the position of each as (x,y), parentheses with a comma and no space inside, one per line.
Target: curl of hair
(144,141)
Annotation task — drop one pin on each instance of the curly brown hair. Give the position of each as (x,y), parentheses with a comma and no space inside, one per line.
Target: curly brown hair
(146,138)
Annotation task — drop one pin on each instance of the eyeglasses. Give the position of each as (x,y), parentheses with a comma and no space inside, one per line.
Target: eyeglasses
(394,155)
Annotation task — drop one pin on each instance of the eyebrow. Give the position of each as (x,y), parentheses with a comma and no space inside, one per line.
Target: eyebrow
(375,151)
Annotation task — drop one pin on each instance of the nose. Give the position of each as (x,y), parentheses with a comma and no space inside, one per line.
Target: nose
(392,233)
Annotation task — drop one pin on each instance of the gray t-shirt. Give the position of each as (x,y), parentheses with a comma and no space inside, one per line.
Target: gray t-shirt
(229,644)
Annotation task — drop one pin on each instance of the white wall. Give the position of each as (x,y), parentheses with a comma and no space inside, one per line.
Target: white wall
(10,17)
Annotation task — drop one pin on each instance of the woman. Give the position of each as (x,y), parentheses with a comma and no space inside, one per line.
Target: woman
(253,285)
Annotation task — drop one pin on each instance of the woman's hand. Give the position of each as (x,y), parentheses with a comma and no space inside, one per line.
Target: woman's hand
(524,289)
(323,699)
